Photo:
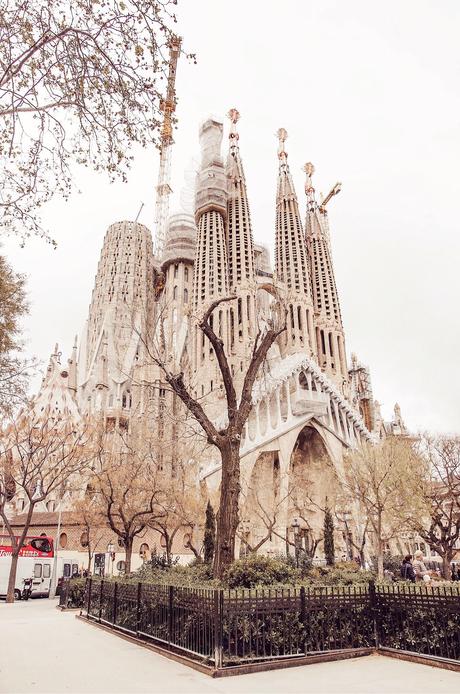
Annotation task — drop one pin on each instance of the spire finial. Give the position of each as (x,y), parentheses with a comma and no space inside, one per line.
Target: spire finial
(234,116)
(281,134)
(309,190)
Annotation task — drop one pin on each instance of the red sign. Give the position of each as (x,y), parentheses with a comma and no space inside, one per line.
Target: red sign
(32,547)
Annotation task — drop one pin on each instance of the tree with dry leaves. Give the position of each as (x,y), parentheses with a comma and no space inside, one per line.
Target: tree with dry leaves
(14,370)
(129,486)
(439,522)
(87,512)
(80,83)
(39,457)
(183,509)
(384,482)
(226,438)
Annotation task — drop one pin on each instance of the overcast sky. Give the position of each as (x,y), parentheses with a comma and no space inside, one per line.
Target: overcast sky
(370,93)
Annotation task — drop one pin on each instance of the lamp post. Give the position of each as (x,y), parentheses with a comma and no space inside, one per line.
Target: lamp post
(344,517)
(245,531)
(296,527)
(111,551)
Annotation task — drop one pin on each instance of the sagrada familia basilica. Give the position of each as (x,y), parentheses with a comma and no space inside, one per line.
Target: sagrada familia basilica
(311,403)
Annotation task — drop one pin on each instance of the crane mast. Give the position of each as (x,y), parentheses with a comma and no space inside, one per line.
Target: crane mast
(163,189)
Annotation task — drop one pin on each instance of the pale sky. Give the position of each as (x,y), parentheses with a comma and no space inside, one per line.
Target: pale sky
(370,93)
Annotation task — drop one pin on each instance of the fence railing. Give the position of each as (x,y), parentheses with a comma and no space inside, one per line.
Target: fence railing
(229,627)
(419,619)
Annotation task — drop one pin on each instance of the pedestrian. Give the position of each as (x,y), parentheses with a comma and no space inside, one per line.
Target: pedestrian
(421,572)
(407,570)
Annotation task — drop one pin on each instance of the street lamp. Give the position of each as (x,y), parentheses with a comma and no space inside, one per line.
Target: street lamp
(245,530)
(296,527)
(111,551)
(344,517)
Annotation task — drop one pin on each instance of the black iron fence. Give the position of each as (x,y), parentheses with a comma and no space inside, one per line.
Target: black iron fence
(419,619)
(230,627)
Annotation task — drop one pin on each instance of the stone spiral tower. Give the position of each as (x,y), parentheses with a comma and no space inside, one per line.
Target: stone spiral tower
(330,336)
(291,263)
(111,350)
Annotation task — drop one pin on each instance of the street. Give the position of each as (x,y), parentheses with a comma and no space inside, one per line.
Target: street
(45,650)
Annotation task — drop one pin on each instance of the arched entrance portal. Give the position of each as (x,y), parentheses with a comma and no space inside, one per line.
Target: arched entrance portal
(312,487)
(261,505)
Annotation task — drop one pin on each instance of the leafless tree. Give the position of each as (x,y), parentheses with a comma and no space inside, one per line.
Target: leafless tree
(81,83)
(38,458)
(227,438)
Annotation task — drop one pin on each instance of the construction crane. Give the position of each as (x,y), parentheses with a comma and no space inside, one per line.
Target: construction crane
(334,191)
(163,189)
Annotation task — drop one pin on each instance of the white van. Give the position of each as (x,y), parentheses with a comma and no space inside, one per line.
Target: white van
(35,562)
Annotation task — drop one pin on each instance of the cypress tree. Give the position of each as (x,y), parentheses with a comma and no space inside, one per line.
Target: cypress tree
(328,530)
(209,534)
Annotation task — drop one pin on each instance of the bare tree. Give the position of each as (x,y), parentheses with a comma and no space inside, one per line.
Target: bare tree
(439,524)
(80,83)
(227,438)
(38,457)
(384,481)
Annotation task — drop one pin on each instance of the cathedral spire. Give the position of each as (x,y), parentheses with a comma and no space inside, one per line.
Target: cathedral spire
(291,265)
(239,237)
(330,337)
(211,268)
(240,248)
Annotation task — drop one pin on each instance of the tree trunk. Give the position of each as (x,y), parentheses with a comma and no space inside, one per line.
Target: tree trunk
(379,559)
(446,561)
(128,554)
(228,516)
(12,577)
(168,548)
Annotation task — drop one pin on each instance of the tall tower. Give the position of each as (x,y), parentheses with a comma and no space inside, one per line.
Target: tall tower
(211,268)
(291,265)
(240,247)
(177,267)
(330,337)
(111,351)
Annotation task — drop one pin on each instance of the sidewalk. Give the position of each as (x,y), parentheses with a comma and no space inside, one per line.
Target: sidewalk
(45,650)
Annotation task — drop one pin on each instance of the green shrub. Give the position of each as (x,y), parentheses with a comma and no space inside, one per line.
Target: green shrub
(76,592)
(260,571)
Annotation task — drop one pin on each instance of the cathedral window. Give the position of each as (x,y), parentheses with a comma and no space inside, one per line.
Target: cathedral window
(175,292)
(185,295)
(126,401)
(176,270)
(186,274)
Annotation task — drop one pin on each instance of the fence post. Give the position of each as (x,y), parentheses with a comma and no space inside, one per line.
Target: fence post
(114,611)
(170,613)
(303,618)
(138,608)
(100,599)
(89,582)
(218,627)
(375,612)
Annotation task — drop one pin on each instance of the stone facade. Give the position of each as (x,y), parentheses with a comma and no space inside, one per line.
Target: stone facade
(310,406)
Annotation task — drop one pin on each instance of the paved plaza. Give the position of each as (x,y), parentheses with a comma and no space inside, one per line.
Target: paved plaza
(45,650)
